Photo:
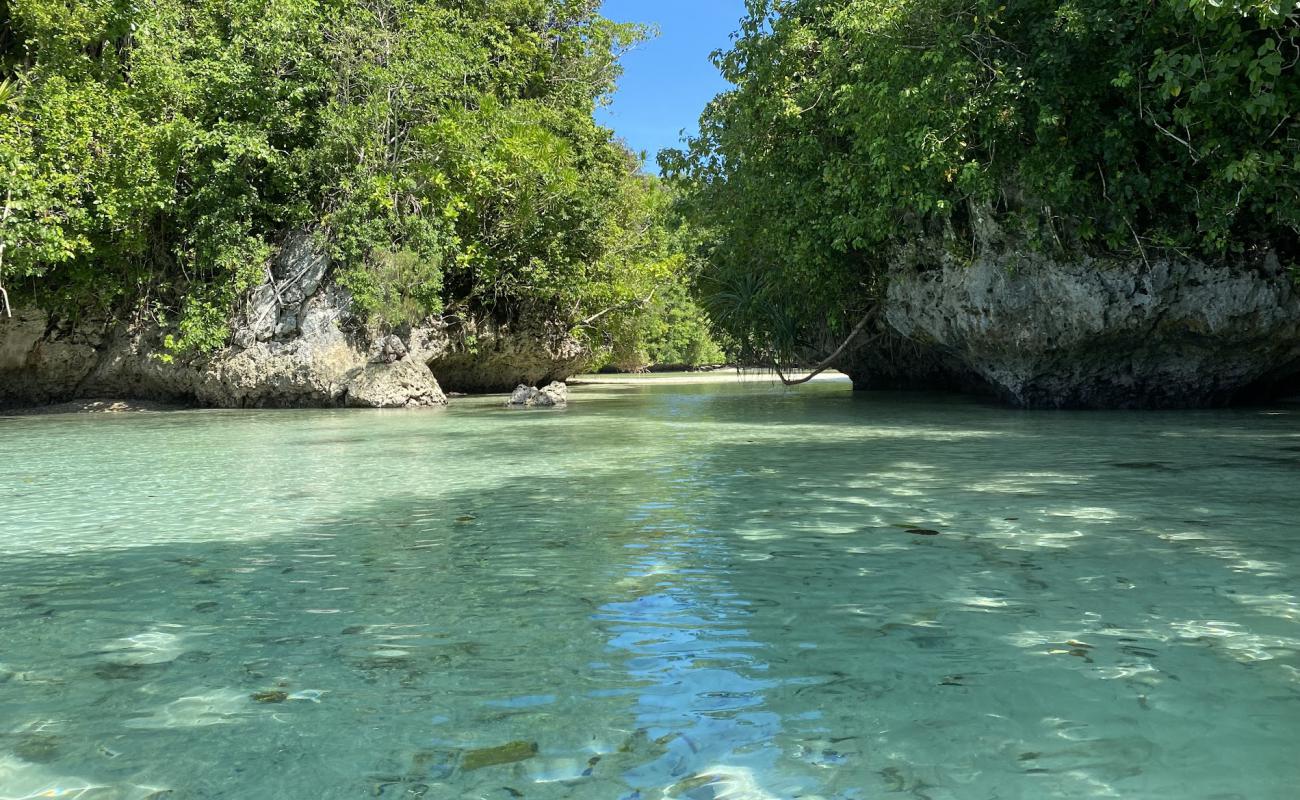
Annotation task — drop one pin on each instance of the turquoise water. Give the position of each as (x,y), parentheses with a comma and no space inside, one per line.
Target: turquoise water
(673,591)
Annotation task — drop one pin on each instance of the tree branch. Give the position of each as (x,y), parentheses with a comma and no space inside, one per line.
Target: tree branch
(829,360)
(629,304)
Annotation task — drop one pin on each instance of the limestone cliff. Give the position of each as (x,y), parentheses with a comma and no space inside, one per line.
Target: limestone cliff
(294,343)
(1032,330)
(1039,332)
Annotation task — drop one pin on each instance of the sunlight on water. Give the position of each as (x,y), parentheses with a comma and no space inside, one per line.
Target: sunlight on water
(723,592)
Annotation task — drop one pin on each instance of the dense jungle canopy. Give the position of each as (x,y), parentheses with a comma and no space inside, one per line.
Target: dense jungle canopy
(864,136)
(156,151)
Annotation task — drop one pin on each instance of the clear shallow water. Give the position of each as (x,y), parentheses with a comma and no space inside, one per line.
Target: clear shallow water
(697,592)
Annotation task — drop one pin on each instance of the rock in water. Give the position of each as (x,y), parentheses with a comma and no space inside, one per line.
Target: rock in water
(403,384)
(553,395)
(502,754)
(725,783)
(521,396)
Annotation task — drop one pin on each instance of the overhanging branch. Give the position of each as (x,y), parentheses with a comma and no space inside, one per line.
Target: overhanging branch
(829,360)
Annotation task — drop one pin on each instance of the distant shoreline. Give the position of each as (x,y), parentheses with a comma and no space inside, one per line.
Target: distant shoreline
(102,405)
(721,375)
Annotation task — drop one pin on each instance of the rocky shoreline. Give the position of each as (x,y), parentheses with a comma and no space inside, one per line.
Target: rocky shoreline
(1042,333)
(294,343)
(1031,331)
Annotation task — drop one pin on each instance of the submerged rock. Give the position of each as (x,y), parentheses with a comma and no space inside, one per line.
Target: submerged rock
(98,405)
(553,395)
(723,782)
(502,754)
(37,748)
(127,672)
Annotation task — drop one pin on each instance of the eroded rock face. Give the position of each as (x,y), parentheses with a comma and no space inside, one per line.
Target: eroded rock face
(483,356)
(1043,333)
(292,345)
(40,360)
(893,362)
(394,385)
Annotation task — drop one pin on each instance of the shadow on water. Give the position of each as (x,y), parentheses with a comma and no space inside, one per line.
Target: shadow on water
(367,654)
(873,599)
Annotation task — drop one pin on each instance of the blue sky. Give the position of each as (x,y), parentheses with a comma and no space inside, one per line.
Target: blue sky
(666,81)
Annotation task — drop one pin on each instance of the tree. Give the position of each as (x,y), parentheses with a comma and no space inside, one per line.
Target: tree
(868,136)
(158,151)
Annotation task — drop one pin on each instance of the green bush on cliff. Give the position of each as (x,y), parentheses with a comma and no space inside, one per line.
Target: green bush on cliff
(155,151)
(858,127)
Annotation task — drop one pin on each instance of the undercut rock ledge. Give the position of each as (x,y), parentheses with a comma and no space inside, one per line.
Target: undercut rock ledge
(1040,333)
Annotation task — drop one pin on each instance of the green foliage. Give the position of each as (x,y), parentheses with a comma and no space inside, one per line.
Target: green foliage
(858,128)
(658,322)
(669,330)
(160,149)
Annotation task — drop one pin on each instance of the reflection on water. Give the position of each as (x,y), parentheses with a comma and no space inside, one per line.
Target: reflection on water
(700,592)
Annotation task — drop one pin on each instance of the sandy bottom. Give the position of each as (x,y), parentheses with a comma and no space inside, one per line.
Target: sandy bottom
(695,592)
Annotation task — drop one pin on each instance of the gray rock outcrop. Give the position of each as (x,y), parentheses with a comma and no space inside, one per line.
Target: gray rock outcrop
(1032,330)
(394,385)
(553,395)
(293,344)
(1043,333)
(485,356)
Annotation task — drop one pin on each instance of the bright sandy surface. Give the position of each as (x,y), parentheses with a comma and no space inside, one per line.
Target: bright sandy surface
(726,375)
